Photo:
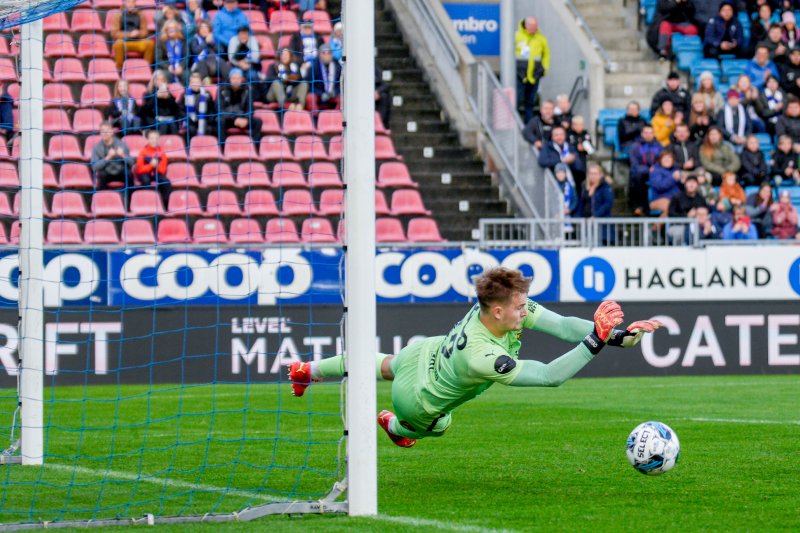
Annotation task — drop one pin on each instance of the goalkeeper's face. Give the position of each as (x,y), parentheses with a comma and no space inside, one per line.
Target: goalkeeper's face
(512,313)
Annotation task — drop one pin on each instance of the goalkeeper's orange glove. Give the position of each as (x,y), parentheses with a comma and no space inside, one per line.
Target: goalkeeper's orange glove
(608,315)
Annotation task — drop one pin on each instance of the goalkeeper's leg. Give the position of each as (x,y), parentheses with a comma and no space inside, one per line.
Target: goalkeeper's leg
(302,374)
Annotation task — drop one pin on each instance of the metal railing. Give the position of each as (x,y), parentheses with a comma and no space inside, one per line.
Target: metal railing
(588,232)
(608,63)
(437,32)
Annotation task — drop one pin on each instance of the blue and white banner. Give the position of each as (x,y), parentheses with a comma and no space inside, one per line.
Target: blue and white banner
(478,25)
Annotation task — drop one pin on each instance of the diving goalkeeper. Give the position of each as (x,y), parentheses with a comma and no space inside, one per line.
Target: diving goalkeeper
(434,376)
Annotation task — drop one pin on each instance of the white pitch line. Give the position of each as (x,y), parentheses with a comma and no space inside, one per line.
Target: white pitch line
(743,421)
(438,524)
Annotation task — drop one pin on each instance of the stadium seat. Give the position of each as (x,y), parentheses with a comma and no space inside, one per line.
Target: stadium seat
(64,147)
(102,69)
(331,202)
(380,129)
(265,46)
(91,45)
(86,21)
(240,148)
(245,231)
(67,204)
(135,143)
(408,202)
(176,90)
(284,41)
(269,121)
(57,22)
(58,95)
(384,148)
(281,230)
(63,232)
(298,202)
(275,148)
(100,232)
(216,175)
(146,203)
(55,121)
(222,203)
(321,19)
(14,147)
(95,95)
(9,178)
(389,230)
(423,230)
(323,175)
(8,72)
(59,45)
(209,230)
(258,23)
(297,123)
(174,146)
(283,22)
(49,177)
(330,122)
(288,175)
(14,237)
(108,204)
(87,120)
(316,230)
(150,18)
(182,175)
(252,175)
(4,48)
(173,231)
(310,148)
(381,207)
(17,200)
(686,58)
(6,210)
(138,231)
(394,174)
(3,236)
(68,69)
(204,148)
(260,203)
(75,176)
(137,91)
(733,68)
(183,204)
(335,147)
(13,92)
(136,69)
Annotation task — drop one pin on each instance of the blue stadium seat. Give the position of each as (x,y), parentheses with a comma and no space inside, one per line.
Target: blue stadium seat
(686,43)
(750,189)
(646,114)
(765,144)
(611,113)
(733,68)
(687,58)
(648,7)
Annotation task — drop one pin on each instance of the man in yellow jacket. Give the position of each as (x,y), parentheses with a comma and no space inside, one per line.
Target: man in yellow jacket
(533,62)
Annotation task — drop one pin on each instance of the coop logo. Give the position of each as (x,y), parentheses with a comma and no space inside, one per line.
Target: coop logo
(593,278)
(794,276)
(66,278)
(473,24)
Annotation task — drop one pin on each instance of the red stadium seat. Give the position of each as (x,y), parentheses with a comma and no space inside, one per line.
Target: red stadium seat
(3,236)
(288,175)
(176,90)
(183,204)
(182,175)
(223,203)
(8,72)
(321,19)
(136,70)
(138,231)
(13,92)
(285,41)
(297,123)
(275,148)
(14,237)
(68,69)
(137,90)
(174,146)
(106,4)
(424,230)
(5,206)
(4,149)
(381,207)
(102,69)
(323,175)
(335,148)
(64,147)
(108,204)
(49,177)
(395,175)
(135,143)
(17,200)
(317,230)
(100,232)
(146,203)
(91,45)
(68,204)
(408,202)
(258,24)
(283,22)
(298,202)
(260,203)
(150,19)
(15,147)
(204,148)
(269,121)
(329,122)
(9,178)
(331,202)
(310,148)
(212,90)
(75,176)
(63,232)
(209,230)
(95,95)
(87,120)
(281,230)
(4,49)
(389,230)
(252,175)
(58,95)
(245,231)
(380,129)
(59,45)
(88,146)
(86,21)
(384,148)
(55,121)
(173,231)
(265,46)
(240,148)
(216,175)
(57,22)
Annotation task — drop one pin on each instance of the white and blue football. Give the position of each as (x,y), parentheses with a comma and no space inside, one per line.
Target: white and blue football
(653,448)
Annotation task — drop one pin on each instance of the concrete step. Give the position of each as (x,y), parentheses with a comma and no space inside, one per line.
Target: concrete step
(625,78)
(608,23)
(613,40)
(642,67)
(404,138)
(620,102)
(631,55)
(631,92)
(593,11)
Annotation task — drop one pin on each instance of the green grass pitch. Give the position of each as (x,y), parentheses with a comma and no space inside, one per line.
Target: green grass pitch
(514,459)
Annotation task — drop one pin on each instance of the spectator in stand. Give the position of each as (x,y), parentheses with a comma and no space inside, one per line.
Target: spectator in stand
(664,122)
(672,91)
(717,156)
(337,41)
(168,13)
(700,118)
(672,16)
(159,109)
(791,34)
(757,208)
(198,108)
(760,68)
(597,200)
(754,103)
(271,6)
(581,139)
(244,54)
(130,34)
(383,97)
(643,156)
(324,78)
(665,180)
(151,167)
(774,43)
(562,174)
(558,150)
(724,34)
(731,193)
(226,24)
(172,51)
(286,83)
(708,230)
(712,97)
(562,112)
(784,218)
(684,149)
(236,111)
(685,203)
(764,20)
(311,5)
(629,127)
(734,121)
(740,227)
(706,190)
(539,129)
(754,165)
(7,125)
(775,100)
(306,45)
(705,10)
(784,162)
(533,62)
(191,16)
(123,112)
(111,159)
(203,56)
(789,122)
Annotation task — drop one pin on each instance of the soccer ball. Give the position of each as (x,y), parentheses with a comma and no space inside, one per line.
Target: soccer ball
(653,448)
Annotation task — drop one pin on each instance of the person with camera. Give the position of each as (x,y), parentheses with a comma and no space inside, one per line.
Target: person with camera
(323,79)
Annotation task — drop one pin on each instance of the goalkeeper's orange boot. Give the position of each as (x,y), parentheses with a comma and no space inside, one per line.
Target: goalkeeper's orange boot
(300,376)
(384,419)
